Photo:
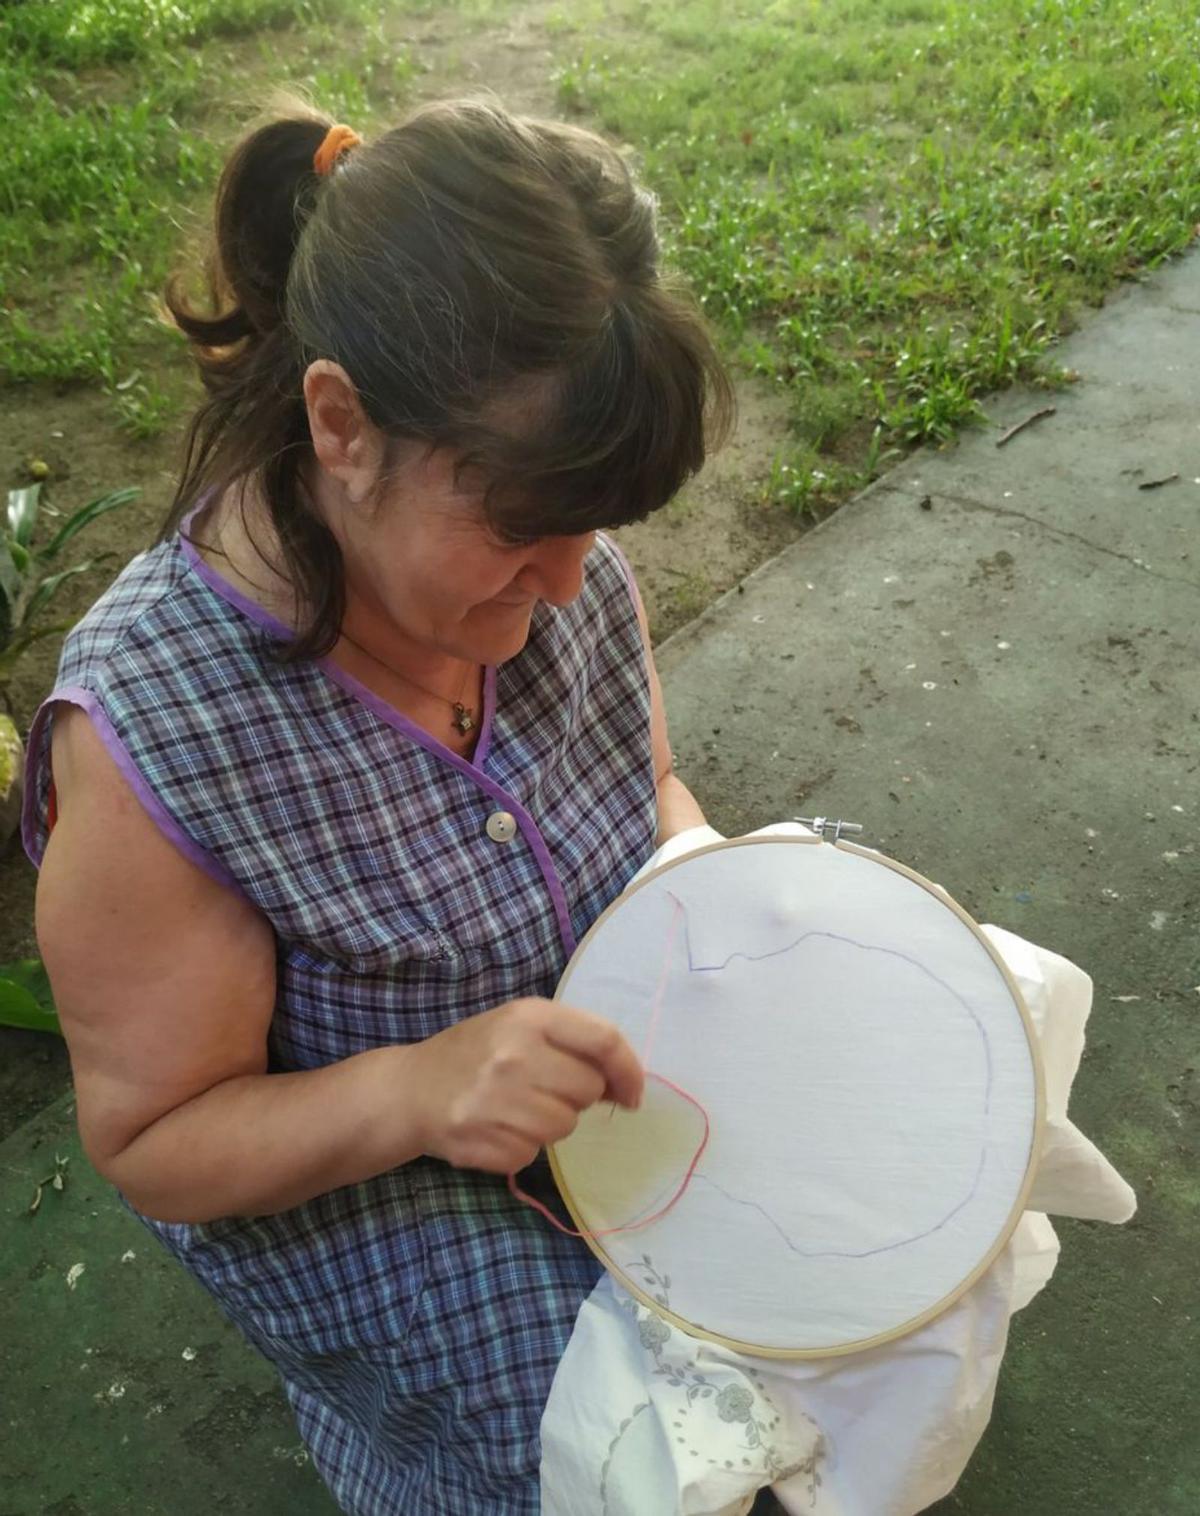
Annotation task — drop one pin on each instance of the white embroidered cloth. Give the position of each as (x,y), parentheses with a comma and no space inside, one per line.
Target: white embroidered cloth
(643,1420)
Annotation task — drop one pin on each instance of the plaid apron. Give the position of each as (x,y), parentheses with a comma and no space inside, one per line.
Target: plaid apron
(417,1318)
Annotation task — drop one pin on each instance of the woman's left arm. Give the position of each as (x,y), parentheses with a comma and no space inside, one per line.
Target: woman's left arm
(677,806)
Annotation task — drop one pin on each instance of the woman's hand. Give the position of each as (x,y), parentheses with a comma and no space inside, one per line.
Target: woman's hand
(499,1086)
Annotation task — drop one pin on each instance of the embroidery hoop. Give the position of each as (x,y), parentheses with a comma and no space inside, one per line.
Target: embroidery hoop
(989,1094)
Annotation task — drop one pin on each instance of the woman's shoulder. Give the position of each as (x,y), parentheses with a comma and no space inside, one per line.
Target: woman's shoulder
(137,591)
(609,567)
(154,606)
(608,598)
(592,643)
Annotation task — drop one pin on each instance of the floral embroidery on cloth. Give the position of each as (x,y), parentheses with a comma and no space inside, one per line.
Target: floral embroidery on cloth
(742,1404)
(689,1414)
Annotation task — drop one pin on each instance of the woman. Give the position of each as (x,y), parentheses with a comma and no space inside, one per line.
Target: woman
(334,777)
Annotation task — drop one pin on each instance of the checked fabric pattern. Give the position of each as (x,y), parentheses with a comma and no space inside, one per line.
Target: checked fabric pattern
(416,1319)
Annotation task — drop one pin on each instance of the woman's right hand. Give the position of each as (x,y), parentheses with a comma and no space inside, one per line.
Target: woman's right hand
(497,1087)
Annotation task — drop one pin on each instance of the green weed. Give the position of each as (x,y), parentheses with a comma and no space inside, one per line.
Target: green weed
(145,408)
(110,31)
(893,206)
(123,106)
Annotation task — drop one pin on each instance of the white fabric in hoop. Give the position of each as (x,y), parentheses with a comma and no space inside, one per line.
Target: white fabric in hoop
(645,1420)
(870,1083)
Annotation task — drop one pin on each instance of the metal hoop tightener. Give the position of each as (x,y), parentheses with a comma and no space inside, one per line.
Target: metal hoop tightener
(827,828)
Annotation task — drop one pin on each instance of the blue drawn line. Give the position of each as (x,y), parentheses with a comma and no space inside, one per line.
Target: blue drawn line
(868,947)
(887,1247)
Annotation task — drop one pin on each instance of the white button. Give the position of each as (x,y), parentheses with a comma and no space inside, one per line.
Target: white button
(501,827)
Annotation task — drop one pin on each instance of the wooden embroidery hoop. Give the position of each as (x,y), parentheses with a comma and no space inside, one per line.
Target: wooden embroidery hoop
(603,1244)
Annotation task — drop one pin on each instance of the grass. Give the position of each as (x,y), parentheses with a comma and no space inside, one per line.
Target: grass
(890,207)
(893,206)
(125,109)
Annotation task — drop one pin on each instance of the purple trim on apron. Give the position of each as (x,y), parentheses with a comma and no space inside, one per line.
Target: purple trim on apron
(489,715)
(30,799)
(149,801)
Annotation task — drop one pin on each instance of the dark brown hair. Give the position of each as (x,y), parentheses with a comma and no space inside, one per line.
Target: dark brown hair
(462,265)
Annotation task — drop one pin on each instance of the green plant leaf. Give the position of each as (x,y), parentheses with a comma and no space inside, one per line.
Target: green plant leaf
(23,512)
(84,516)
(50,586)
(30,974)
(10,590)
(26,1000)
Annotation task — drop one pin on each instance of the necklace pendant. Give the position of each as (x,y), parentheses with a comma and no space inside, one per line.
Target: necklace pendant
(463,719)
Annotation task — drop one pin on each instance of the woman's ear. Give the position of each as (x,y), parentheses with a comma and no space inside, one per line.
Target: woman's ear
(347,444)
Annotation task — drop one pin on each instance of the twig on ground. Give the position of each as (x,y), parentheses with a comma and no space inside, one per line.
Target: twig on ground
(56,1181)
(1047,410)
(1153,484)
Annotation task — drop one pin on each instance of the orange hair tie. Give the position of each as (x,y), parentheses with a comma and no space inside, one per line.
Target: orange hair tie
(338,140)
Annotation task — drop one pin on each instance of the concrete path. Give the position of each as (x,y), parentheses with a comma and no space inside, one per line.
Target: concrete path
(992,660)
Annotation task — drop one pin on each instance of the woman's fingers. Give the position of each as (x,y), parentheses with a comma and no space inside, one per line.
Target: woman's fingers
(504,1147)
(602,1044)
(570,1078)
(501,1151)
(543,1119)
(502,1084)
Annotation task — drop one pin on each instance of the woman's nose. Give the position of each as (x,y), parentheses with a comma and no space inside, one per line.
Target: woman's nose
(556,570)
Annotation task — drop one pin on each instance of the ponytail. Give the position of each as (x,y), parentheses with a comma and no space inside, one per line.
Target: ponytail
(253,420)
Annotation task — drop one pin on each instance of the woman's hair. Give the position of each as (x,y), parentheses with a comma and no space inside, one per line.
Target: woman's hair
(490,285)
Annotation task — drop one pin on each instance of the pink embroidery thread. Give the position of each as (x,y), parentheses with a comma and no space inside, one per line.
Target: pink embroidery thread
(651,1031)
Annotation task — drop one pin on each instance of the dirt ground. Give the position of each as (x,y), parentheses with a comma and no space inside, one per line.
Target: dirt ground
(710,537)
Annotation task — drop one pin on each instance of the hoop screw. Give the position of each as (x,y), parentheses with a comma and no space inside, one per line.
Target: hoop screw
(828,828)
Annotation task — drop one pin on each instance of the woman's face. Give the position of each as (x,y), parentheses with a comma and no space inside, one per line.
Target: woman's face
(423,563)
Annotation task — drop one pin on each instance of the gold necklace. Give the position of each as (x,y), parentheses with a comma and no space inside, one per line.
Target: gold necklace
(463,719)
